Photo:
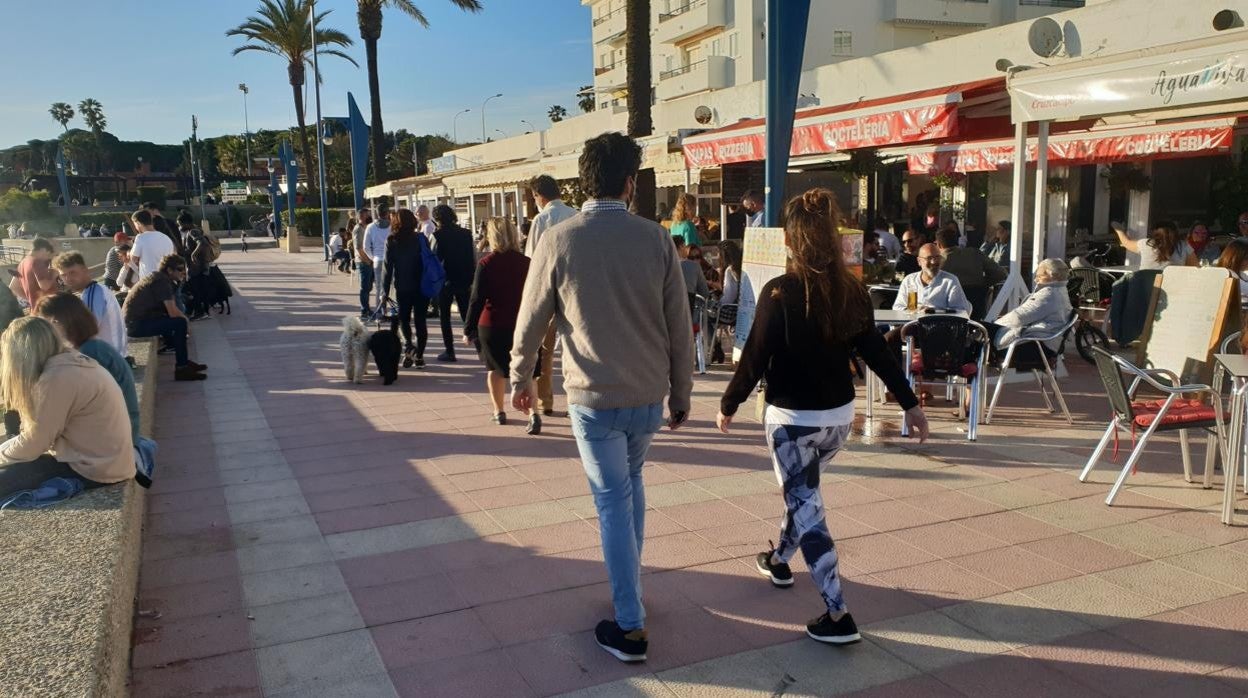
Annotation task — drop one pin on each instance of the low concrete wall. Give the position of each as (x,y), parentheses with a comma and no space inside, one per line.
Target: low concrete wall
(93,250)
(68,578)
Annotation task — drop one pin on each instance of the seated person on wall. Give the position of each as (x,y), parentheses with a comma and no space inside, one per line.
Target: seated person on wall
(102,303)
(1043,312)
(34,277)
(76,324)
(975,271)
(73,416)
(114,260)
(151,311)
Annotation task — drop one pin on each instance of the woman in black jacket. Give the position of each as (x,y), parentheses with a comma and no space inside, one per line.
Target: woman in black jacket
(807,323)
(404,264)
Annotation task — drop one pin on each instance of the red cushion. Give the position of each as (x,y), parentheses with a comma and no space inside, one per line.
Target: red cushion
(967,370)
(1180,412)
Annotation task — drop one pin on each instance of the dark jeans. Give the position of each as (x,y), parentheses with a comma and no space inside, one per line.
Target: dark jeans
(173,329)
(343,258)
(366,286)
(460,296)
(409,305)
(31,474)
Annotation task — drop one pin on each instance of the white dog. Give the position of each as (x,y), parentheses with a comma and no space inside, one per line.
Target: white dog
(354,347)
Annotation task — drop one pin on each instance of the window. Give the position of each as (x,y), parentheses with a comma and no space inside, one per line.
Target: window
(716,47)
(732,45)
(842,43)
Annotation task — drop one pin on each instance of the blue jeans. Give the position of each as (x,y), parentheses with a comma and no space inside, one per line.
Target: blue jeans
(613,445)
(173,329)
(366,285)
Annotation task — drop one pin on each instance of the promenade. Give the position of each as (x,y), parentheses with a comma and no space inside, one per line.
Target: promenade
(308,537)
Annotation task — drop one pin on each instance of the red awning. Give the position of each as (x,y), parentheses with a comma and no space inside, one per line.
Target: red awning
(1155,142)
(909,118)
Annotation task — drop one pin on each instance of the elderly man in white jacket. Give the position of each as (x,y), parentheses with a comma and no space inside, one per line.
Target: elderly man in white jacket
(1043,312)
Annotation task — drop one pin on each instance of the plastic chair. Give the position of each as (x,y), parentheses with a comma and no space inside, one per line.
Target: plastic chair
(330,262)
(697,311)
(948,348)
(1031,353)
(723,316)
(1170,414)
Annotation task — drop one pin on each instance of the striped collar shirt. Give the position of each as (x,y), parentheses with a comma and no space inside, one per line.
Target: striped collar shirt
(596,205)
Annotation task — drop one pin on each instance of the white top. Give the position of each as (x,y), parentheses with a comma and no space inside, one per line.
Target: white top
(103,305)
(427,228)
(1148,256)
(335,243)
(835,417)
(375,242)
(889,243)
(553,213)
(732,287)
(754,221)
(147,250)
(943,293)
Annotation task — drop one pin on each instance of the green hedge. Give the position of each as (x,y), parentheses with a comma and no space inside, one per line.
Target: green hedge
(156,194)
(308,220)
(17,206)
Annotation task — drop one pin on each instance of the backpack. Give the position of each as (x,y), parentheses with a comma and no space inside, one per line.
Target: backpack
(214,246)
(432,275)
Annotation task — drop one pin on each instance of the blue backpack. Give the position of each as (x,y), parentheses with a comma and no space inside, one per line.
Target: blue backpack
(432,275)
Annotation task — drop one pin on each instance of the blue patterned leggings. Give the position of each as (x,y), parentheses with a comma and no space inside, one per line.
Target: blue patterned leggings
(798,453)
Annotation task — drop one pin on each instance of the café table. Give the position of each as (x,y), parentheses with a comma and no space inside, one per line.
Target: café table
(1234,366)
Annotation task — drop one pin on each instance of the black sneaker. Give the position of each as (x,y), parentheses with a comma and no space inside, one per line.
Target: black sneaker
(409,356)
(535,425)
(499,418)
(420,363)
(625,646)
(447,357)
(780,574)
(833,632)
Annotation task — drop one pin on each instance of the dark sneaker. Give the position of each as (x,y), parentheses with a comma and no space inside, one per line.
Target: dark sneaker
(197,366)
(500,418)
(186,373)
(409,356)
(447,357)
(780,574)
(833,632)
(625,646)
(549,412)
(535,425)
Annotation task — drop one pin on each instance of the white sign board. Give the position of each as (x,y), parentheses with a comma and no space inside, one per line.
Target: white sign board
(1190,317)
(1204,72)
(764,259)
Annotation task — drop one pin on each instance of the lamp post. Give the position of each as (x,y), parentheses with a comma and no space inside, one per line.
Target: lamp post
(63,180)
(487,99)
(242,87)
(501,132)
(194,130)
(455,125)
(532,128)
(320,145)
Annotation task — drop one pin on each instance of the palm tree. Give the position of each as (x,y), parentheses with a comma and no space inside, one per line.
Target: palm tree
(93,113)
(637,79)
(585,98)
(62,113)
(556,113)
(369,14)
(281,28)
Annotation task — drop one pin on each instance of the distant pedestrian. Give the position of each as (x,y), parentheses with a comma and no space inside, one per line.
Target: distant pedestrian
(552,211)
(363,262)
(375,246)
(403,253)
(453,245)
(611,283)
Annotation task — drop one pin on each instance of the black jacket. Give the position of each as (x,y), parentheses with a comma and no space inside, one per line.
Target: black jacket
(453,245)
(404,265)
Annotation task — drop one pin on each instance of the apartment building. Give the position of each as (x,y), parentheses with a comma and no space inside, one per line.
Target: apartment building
(704,45)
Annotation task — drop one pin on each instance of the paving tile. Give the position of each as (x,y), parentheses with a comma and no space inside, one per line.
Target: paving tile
(1016,620)
(276,556)
(1082,553)
(1201,525)
(1015,567)
(948,539)
(1108,663)
(889,515)
(411,535)
(295,528)
(1013,495)
(940,583)
(1146,540)
(291,583)
(232,674)
(953,504)
(318,665)
(880,552)
(190,638)
(916,687)
(413,598)
(1012,674)
(520,517)
(1166,583)
(1095,601)
(488,673)
(703,515)
(1201,646)
(931,641)
(633,687)
(185,600)
(564,663)
(188,569)
(433,639)
(302,619)
(1220,564)
(1077,515)
(1013,527)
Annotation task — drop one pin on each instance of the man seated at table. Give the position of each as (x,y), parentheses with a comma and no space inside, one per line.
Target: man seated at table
(975,271)
(936,289)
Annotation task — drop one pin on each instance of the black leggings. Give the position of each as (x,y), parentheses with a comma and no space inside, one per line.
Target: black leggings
(409,305)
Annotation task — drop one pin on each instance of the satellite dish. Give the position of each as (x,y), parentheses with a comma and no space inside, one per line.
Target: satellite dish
(1045,37)
(1227,19)
(703,115)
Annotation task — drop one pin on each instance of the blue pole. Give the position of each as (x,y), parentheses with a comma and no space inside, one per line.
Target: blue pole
(275,200)
(358,129)
(292,180)
(786,42)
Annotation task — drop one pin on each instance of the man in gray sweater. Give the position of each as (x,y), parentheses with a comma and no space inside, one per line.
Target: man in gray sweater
(612,283)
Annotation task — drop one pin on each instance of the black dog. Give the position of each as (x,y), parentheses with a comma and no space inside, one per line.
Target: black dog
(387,350)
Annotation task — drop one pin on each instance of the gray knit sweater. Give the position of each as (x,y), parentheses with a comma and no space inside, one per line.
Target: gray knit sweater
(612,283)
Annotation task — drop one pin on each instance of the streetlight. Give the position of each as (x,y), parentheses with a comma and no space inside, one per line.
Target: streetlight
(487,99)
(532,128)
(320,144)
(242,86)
(501,132)
(455,126)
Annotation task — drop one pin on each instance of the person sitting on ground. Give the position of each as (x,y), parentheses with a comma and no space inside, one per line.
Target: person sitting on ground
(1206,251)
(147,250)
(76,324)
(1234,259)
(113,263)
(1043,312)
(936,289)
(998,246)
(73,416)
(77,277)
(683,214)
(35,277)
(150,311)
(1163,247)
(338,250)
(908,260)
(975,271)
(695,280)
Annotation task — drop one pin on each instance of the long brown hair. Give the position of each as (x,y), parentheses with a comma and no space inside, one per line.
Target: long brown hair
(1164,239)
(836,302)
(1234,256)
(686,208)
(76,321)
(402,226)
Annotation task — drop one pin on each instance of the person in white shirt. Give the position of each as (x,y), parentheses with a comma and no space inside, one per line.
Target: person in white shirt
(340,256)
(752,201)
(101,301)
(552,212)
(375,244)
(888,241)
(936,289)
(425,224)
(148,248)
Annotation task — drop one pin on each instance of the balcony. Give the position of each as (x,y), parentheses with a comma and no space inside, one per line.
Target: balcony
(967,13)
(692,19)
(610,77)
(713,73)
(609,28)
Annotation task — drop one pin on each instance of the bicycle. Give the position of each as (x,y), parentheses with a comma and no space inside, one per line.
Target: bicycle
(1084,287)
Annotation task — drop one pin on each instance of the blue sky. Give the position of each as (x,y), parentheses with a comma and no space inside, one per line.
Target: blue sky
(153,63)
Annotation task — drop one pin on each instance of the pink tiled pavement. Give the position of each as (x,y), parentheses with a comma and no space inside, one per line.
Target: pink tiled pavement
(353,490)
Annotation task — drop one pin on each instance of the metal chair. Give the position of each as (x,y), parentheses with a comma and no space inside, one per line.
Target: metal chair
(697,311)
(723,316)
(951,349)
(1033,354)
(1172,413)
(330,262)
(1230,345)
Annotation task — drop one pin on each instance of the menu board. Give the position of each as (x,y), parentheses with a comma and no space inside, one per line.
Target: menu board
(1192,310)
